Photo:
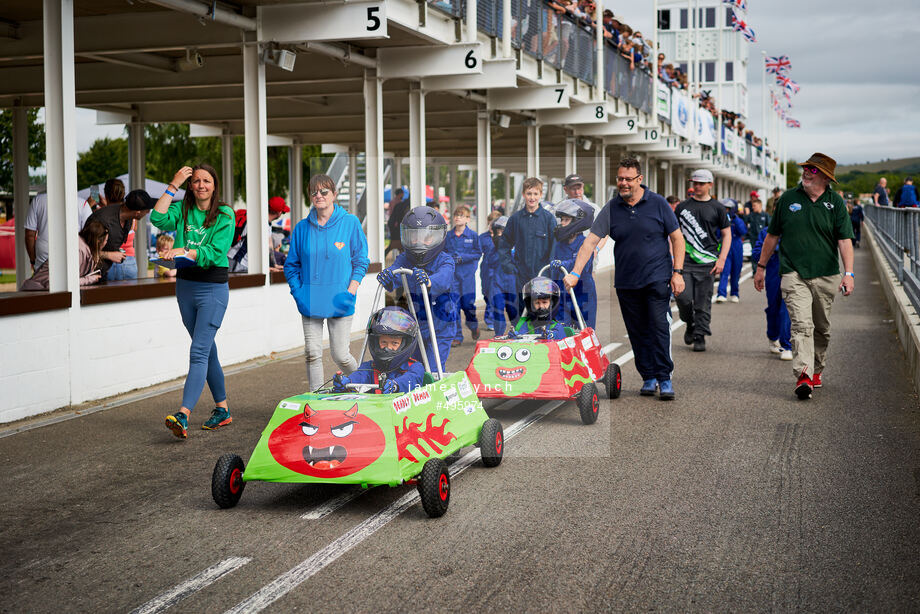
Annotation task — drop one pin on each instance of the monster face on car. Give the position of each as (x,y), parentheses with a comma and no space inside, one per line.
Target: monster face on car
(515,368)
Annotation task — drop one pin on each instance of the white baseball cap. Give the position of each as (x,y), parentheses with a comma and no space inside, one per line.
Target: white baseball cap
(701,176)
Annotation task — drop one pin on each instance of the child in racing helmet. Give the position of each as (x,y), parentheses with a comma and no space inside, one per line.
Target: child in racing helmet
(502,297)
(423,233)
(574,216)
(391,340)
(541,298)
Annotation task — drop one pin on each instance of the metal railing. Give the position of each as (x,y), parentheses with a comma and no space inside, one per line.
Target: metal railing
(898,234)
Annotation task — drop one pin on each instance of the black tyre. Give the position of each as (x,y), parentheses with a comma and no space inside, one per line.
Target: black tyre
(434,487)
(613,381)
(491,442)
(588,403)
(227,481)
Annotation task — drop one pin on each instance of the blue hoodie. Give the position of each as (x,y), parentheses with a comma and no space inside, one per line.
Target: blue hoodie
(323,260)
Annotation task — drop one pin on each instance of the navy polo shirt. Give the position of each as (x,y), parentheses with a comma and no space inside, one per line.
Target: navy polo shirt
(641,247)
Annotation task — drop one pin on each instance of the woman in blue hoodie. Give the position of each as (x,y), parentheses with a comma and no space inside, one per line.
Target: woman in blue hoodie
(326,263)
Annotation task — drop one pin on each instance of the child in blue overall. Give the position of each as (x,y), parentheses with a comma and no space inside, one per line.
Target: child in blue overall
(502,297)
(485,274)
(575,217)
(779,326)
(735,258)
(463,244)
(541,298)
(391,339)
(422,232)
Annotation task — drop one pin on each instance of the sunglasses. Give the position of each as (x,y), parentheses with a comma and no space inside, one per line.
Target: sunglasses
(811,169)
(323,191)
(627,179)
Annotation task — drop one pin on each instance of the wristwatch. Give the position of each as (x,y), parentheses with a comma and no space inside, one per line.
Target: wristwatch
(681,271)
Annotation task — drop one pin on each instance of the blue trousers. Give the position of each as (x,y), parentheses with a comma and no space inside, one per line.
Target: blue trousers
(465,282)
(202,306)
(778,323)
(647,316)
(732,269)
(502,303)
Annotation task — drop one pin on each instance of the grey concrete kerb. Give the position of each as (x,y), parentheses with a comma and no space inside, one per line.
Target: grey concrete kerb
(905,315)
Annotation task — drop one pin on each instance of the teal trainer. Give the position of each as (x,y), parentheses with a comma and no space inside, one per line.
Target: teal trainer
(219,417)
(178,424)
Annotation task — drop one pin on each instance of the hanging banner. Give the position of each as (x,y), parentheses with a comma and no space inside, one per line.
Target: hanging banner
(663,101)
(705,128)
(741,148)
(758,158)
(680,114)
(728,141)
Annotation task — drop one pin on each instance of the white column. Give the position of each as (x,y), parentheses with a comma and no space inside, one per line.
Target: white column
(471,19)
(436,183)
(483,169)
(652,165)
(396,175)
(508,194)
(226,167)
(137,173)
(353,181)
(417,155)
(21,191)
(452,188)
(506,28)
(373,164)
(533,150)
(600,173)
(296,175)
(60,147)
(255,122)
(571,163)
(599,50)
(668,178)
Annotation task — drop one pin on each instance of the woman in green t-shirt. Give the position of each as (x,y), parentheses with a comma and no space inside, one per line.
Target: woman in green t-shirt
(204,231)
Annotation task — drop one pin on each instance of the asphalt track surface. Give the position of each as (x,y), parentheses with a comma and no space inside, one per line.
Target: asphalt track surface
(734,497)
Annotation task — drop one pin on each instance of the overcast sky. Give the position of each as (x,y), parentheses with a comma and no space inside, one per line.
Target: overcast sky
(857,65)
(856,62)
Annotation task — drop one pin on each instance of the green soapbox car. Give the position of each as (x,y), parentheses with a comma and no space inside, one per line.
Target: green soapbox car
(367,438)
(530,367)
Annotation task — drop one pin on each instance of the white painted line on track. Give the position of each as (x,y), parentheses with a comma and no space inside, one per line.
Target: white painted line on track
(610,347)
(309,567)
(205,578)
(339,501)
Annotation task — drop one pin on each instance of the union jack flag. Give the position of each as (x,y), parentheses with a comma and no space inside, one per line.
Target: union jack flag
(739,25)
(791,86)
(793,123)
(777,65)
(740,4)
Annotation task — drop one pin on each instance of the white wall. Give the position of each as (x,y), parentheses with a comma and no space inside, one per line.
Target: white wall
(118,347)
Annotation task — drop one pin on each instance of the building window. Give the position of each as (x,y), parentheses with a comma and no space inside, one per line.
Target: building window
(664,19)
(710,17)
(707,72)
(683,19)
(729,71)
(728,17)
(683,68)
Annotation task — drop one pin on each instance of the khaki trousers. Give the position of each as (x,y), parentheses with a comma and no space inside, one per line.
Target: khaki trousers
(809,303)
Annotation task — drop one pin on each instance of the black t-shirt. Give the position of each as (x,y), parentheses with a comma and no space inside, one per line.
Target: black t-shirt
(882,195)
(396,216)
(110,217)
(701,223)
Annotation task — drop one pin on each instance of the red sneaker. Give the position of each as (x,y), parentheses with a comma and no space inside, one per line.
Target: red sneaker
(816,380)
(803,386)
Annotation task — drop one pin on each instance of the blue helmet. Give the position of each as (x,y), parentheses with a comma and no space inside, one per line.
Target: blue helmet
(582,215)
(394,322)
(422,233)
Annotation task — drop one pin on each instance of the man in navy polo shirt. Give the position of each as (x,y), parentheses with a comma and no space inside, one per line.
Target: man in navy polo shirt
(641,223)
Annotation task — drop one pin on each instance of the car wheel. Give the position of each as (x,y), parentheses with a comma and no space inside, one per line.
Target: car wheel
(588,403)
(227,481)
(434,487)
(613,381)
(491,442)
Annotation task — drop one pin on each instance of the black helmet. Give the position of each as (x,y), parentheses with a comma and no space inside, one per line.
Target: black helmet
(397,322)
(582,215)
(499,222)
(422,232)
(540,287)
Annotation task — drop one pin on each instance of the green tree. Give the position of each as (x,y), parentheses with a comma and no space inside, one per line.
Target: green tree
(36,145)
(104,159)
(793,173)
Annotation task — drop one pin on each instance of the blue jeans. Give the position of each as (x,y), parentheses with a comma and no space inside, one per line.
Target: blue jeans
(202,306)
(126,269)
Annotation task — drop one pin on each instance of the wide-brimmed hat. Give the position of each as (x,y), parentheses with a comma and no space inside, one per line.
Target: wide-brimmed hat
(823,163)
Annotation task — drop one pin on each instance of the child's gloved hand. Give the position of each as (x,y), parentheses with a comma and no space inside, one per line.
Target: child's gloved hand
(339,381)
(555,266)
(458,259)
(547,333)
(390,386)
(387,280)
(513,334)
(421,277)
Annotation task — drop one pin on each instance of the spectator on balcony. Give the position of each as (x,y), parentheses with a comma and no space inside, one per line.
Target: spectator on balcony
(906,196)
(36,225)
(91,239)
(880,193)
(666,74)
(119,221)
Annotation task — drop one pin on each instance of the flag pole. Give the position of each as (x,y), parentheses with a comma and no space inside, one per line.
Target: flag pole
(763,110)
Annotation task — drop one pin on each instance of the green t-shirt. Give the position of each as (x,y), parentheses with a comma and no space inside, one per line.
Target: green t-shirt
(212,243)
(810,231)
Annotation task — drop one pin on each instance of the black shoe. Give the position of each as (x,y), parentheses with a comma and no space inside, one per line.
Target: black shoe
(688,334)
(699,344)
